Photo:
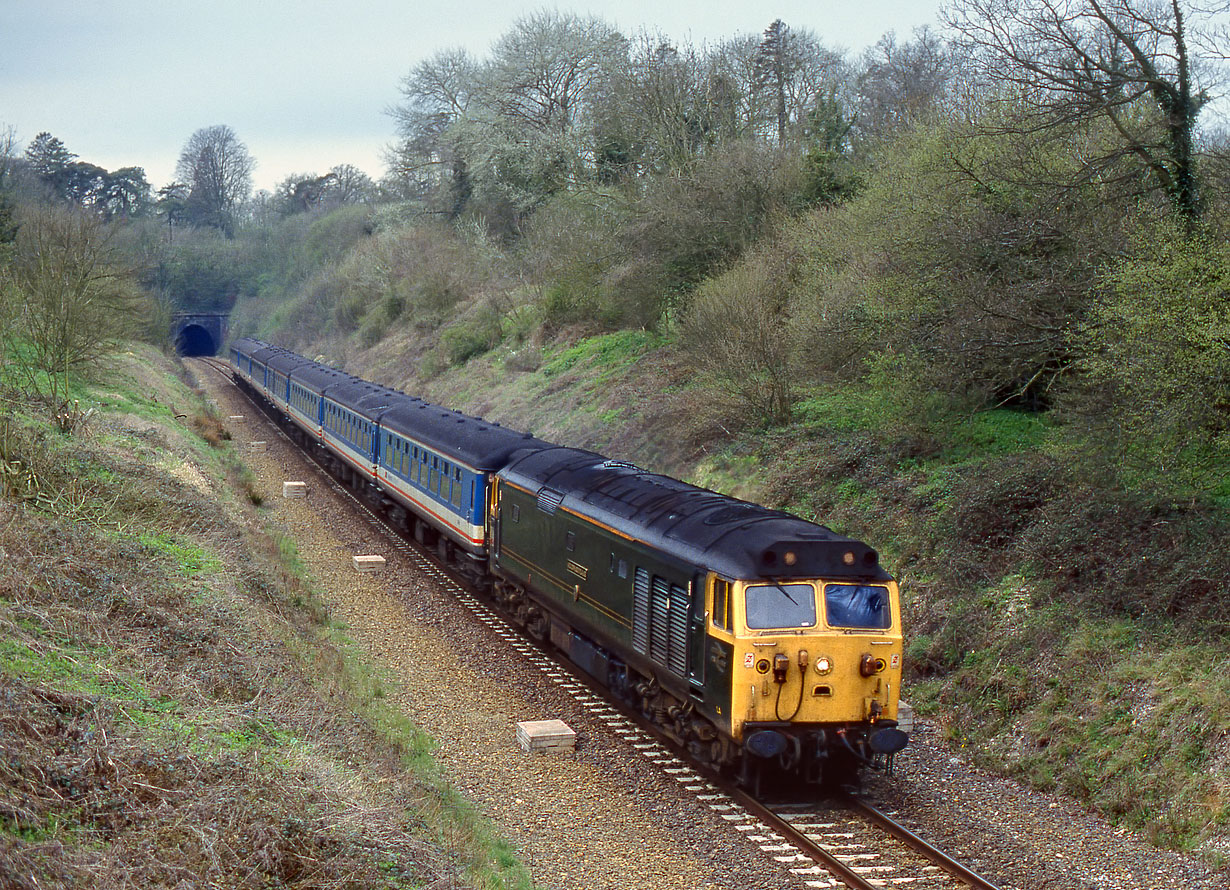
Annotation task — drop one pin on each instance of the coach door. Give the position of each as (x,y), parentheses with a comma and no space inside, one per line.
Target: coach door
(493,516)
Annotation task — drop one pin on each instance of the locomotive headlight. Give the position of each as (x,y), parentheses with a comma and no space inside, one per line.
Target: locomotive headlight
(824,665)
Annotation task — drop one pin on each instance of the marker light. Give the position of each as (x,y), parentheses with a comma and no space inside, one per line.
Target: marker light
(824,664)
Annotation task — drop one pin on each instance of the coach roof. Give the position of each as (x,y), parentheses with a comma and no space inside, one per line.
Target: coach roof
(311,375)
(475,442)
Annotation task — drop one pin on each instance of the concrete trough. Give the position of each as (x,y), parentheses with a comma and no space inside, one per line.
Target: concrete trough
(294,489)
(235,418)
(258,446)
(546,736)
(370,563)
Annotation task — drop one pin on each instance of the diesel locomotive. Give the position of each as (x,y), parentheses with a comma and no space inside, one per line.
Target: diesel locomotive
(766,644)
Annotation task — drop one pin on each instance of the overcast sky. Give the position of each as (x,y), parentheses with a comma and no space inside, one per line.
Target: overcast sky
(305,84)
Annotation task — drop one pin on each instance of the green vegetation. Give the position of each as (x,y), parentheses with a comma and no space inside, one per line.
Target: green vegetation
(180,700)
(922,295)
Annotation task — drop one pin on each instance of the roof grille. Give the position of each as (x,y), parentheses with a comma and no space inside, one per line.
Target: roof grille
(549,500)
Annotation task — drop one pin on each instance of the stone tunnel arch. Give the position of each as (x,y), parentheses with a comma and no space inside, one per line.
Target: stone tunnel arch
(195,340)
(199,333)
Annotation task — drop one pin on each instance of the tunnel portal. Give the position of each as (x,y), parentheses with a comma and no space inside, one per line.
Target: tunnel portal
(199,333)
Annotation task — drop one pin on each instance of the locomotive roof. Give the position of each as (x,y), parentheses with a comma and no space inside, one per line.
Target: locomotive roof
(478,443)
(734,538)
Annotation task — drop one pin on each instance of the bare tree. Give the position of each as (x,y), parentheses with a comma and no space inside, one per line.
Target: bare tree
(898,82)
(8,153)
(1131,63)
(436,95)
(217,169)
(348,185)
(544,71)
(69,296)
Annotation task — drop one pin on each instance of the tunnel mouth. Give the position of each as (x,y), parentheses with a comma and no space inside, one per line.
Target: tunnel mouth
(194,340)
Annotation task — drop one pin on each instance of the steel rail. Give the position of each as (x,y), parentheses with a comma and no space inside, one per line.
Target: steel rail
(840,870)
(923,847)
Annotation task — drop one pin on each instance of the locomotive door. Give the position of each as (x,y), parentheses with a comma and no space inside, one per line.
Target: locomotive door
(696,636)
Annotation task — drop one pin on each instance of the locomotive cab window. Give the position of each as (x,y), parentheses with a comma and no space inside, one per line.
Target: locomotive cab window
(721,603)
(779,606)
(861,606)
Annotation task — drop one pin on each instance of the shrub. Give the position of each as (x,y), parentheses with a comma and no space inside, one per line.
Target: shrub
(736,332)
(1157,395)
(472,336)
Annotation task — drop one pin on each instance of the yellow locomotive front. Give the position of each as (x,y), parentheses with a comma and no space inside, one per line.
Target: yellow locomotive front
(814,668)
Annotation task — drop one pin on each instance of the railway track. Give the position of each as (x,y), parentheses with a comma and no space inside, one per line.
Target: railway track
(843,841)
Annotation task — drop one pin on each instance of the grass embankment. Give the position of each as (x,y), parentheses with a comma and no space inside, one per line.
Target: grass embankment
(176,705)
(1063,629)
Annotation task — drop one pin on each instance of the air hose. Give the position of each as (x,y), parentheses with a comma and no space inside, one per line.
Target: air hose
(798,706)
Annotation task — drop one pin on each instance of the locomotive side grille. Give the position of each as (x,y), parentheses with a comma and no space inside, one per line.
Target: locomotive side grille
(659,620)
(640,612)
(678,660)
